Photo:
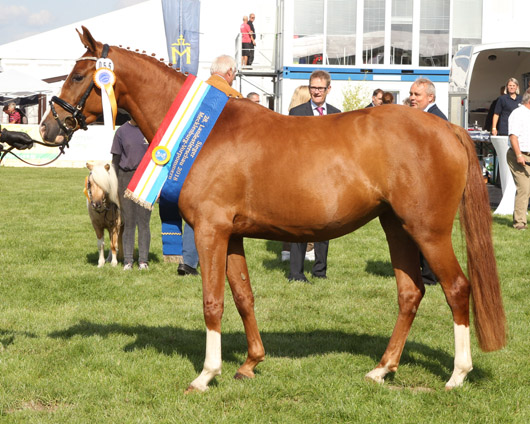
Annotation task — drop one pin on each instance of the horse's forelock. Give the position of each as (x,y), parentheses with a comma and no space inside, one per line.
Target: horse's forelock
(107,180)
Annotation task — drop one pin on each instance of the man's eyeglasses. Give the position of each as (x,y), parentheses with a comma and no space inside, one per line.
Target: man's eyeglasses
(320,89)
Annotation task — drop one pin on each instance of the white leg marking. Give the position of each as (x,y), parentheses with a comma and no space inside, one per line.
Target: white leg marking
(101,248)
(212,363)
(378,374)
(462,357)
(112,258)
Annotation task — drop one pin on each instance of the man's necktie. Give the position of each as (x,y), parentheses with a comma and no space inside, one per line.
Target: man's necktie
(320,110)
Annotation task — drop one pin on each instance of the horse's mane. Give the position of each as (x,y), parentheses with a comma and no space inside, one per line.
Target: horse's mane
(107,180)
(151,58)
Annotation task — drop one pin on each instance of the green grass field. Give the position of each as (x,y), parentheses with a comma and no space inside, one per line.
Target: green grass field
(80,344)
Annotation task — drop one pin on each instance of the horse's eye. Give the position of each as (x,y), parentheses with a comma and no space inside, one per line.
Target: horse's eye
(78,78)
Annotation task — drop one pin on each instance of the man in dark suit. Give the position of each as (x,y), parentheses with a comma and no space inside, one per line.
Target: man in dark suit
(377,98)
(423,96)
(319,87)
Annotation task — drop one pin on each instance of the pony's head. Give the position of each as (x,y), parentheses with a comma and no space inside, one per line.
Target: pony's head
(79,102)
(101,185)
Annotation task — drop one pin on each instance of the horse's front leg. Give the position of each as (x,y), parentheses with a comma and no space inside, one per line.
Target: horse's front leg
(101,246)
(113,254)
(238,277)
(101,250)
(212,248)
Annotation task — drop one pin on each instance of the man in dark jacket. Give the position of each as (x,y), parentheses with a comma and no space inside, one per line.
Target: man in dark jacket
(319,87)
(423,96)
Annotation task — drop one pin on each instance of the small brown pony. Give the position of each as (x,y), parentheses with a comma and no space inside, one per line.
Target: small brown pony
(101,190)
(409,168)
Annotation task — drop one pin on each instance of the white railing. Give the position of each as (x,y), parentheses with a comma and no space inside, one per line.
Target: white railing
(266,52)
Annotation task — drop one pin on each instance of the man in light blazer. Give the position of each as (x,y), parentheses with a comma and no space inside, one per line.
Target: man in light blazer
(319,87)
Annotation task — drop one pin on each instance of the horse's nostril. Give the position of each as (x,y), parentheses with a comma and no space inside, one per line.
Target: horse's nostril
(42,131)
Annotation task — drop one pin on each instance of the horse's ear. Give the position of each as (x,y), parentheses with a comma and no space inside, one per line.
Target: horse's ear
(107,167)
(90,165)
(87,39)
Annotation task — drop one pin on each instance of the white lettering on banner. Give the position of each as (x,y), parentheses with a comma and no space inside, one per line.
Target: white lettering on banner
(189,146)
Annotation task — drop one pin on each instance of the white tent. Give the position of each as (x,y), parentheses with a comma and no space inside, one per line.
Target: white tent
(17,84)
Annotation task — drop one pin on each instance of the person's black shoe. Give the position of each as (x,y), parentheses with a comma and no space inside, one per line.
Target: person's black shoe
(322,277)
(184,269)
(301,279)
(428,282)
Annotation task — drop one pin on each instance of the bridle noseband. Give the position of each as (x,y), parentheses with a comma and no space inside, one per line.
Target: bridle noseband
(77,118)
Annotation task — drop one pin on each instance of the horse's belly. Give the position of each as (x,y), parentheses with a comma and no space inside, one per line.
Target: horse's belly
(310,218)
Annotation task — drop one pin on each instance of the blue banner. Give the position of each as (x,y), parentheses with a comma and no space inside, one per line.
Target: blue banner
(181,22)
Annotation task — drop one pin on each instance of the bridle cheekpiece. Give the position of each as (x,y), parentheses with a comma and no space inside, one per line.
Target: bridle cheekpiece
(77,118)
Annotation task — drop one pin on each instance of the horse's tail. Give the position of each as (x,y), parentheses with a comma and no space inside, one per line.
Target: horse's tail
(475,218)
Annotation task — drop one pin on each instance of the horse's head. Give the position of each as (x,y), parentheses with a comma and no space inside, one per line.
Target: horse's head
(98,186)
(79,102)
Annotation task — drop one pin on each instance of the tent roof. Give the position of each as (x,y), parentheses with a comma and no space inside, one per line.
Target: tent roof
(17,84)
(140,25)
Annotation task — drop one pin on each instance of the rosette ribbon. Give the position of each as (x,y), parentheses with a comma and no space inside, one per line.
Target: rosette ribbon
(105,79)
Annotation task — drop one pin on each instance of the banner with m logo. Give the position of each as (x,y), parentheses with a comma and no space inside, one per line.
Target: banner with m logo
(181,22)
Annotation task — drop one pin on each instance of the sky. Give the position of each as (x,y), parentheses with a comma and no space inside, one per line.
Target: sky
(23,18)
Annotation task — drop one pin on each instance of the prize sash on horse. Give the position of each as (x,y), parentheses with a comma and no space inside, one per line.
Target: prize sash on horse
(178,141)
(173,150)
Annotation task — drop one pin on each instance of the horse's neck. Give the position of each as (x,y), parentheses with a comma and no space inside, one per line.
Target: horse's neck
(151,87)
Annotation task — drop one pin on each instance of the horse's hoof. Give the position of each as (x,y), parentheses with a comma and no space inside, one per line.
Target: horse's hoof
(193,389)
(375,376)
(239,376)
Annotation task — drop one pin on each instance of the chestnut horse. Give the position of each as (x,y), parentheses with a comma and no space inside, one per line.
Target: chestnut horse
(103,205)
(409,168)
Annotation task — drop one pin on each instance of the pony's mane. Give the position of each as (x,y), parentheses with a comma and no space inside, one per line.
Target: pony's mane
(107,181)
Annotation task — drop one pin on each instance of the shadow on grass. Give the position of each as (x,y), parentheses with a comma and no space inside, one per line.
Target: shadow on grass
(276,263)
(7,337)
(191,344)
(381,268)
(93,257)
(504,220)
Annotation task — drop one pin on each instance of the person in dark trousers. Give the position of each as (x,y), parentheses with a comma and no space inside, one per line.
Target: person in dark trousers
(251,19)
(319,87)
(128,149)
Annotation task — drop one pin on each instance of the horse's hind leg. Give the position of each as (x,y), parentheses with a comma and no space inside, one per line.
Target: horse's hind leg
(405,261)
(457,289)
(238,278)
(120,240)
